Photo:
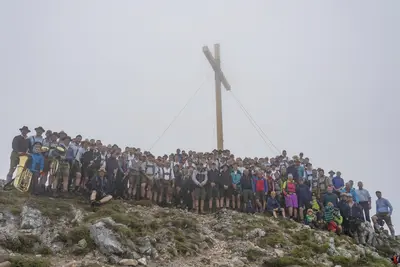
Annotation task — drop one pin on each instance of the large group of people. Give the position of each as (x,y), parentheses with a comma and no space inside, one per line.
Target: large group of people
(280,186)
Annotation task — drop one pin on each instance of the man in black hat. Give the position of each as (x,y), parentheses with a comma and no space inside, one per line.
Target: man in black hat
(36,138)
(20,146)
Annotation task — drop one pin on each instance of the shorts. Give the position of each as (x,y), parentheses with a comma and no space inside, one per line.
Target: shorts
(224,193)
(199,193)
(165,186)
(234,192)
(291,201)
(332,226)
(260,195)
(146,179)
(247,195)
(212,192)
(75,167)
(63,168)
(156,185)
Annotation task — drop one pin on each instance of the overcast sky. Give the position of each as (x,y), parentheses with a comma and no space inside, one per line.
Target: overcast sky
(319,77)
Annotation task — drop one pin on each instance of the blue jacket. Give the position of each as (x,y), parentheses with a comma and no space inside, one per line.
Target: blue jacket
(272,203)
(353,193)
(37,163)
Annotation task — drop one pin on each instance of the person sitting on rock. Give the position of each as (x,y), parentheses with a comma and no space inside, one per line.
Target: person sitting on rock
(100,188)
(316,207)
(311,219)
(328,218)
(338,218)
(274,207)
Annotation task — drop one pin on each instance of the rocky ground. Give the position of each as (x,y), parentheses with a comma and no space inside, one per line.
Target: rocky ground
(43,232)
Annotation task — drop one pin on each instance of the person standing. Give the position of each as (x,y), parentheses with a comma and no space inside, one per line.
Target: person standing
(364,199)
(20,146)
(36,138)
(384,212)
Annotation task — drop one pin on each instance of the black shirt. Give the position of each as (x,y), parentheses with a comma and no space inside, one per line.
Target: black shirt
(20,144)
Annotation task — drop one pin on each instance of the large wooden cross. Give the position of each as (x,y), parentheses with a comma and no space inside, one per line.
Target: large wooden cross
(215,62)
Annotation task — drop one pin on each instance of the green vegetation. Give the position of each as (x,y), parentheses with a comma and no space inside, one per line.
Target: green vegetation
(73,236)
(366,261)
(286,261)
(272,239)
(252,255)
(29,262)
(21,244)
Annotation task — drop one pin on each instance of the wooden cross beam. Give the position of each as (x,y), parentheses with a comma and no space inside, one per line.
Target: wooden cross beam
(215,62)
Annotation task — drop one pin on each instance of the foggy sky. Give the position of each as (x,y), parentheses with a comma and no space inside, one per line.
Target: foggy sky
(319,77)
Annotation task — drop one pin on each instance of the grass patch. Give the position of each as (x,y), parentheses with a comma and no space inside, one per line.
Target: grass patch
(300,237)
(385,250)
(29,262)
(304,252)
(21,244)
(53,209)
(286,261)
(252,255)
(287,224)
(272,239)
(74,236)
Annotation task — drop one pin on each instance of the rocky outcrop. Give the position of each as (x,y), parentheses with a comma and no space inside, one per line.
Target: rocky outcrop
(68,234)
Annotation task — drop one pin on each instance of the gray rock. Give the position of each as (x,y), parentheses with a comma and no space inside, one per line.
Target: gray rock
(4,257)
(5,264)
(113,259)
(255,233)
(128,262)
(133,255)
(82,243)
(31,218)
(142,261)
(105,239)
(144,245)
(279,253)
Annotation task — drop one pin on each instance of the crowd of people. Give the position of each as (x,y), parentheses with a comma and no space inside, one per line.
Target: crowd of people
(290,188)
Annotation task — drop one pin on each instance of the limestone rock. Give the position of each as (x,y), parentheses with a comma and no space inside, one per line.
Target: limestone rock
(105,239)
(128,262)
(31,218)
